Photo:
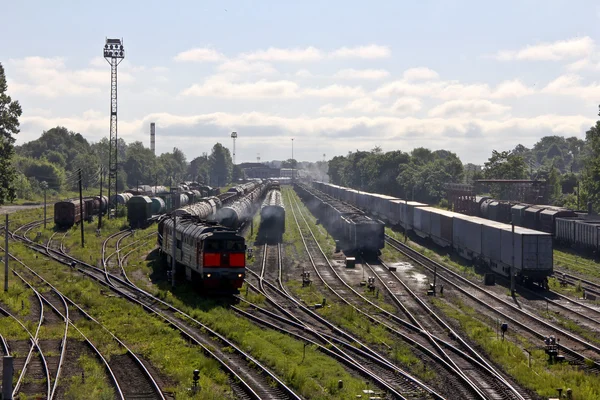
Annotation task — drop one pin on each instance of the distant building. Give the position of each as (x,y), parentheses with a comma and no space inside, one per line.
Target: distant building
(258,170)
(287,172)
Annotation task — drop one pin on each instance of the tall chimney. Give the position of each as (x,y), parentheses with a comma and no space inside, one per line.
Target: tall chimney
(152,137)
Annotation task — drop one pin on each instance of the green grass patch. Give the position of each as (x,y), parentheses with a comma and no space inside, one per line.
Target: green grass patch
(577,263)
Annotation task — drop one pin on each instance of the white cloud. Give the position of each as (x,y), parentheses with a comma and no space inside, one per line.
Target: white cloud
(571,85)
(420,74)
(468,108)
(221,86)
(334,91)
(406,105)
(372,74)
(368,52)
(244,66)
(50,77)
(200,54)
(258,90)
(514,88)
(449,90)
(304,73)
(555,51)
(285,55)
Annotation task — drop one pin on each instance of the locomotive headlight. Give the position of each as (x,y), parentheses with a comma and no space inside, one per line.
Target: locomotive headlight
(240,275)
(208,275)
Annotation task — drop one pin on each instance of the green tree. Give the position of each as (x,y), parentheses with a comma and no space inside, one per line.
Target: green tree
(10,111)
(504,165)
(590,182)
(336,167)
(221,165)
(140,165)
(198,170)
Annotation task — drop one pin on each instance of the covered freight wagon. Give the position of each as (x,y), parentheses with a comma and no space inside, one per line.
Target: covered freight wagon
(139,211)
(435,224)
(67,213)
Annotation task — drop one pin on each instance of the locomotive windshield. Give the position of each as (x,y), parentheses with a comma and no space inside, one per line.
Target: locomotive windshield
(230,245)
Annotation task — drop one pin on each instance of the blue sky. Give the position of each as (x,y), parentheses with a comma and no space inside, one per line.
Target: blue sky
(337,76)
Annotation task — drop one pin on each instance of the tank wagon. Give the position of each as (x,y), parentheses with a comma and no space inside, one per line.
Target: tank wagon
(238,212)
(272,217)
(212,256)
(203,209)
(356,231)
(488,243)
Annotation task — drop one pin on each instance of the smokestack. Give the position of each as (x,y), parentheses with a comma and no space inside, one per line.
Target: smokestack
(152,137)
(590,209)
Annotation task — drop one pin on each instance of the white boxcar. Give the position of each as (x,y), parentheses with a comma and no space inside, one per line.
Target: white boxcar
(533,257)
(402,212)
(436,224)
(491,251)
(466,235)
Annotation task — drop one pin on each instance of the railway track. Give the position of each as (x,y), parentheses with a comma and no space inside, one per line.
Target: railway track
(128,374)
(34,366)
(249,378)
(571,345)
(303,321)
(480,381)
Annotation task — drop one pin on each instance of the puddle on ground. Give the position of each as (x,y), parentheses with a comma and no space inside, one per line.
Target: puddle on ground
(408,269)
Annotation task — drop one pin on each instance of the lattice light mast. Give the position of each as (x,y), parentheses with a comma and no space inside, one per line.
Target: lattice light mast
(114,53)
(234,136)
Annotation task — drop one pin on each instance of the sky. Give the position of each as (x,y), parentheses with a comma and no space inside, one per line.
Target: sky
(335,76)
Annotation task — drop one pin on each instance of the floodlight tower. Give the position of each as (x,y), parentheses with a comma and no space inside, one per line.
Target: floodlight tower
(114,53)
(234,136)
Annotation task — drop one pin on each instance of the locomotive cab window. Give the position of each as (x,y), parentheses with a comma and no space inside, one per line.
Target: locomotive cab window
(211,245)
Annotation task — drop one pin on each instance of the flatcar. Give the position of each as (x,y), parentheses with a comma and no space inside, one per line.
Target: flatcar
(272,217)
(211,255)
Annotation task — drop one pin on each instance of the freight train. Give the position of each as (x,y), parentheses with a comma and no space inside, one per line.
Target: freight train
(356,231)
(68,213)
(236,213)
(492,244)
(142,210)
(569,228)
(212,256)
(272,217)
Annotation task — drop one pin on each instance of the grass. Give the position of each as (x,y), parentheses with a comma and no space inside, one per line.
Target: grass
(577,263)
(146,335)
(92,383)
(511,355)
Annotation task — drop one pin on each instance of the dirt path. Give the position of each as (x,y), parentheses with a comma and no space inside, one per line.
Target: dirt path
(9,209)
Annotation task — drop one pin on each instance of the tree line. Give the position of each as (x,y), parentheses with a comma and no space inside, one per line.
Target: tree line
(58,155)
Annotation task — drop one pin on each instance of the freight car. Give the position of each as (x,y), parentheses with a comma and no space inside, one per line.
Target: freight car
(272,218)
(488,243)
(68,213)
(203,209)
(212,256)
(238,212)
(355,231)
(139,211)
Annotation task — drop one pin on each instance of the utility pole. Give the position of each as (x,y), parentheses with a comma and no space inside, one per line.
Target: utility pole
(6,254)
(81,210)
(44,185)
(406,220)
(512,265)
(100,214)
